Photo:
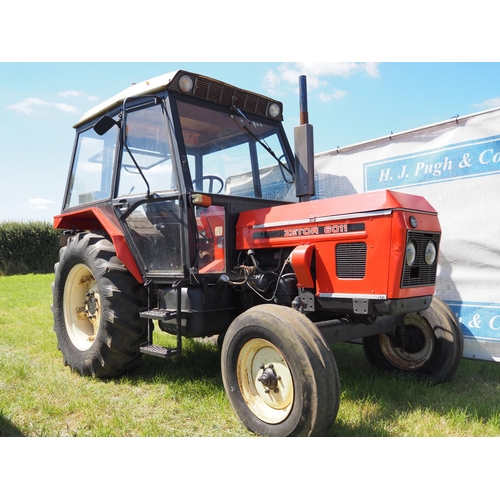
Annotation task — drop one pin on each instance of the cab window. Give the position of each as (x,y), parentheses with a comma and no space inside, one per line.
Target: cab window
(146,162)
(91,175)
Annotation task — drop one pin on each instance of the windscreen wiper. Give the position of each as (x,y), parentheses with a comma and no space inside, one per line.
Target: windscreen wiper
(264,144)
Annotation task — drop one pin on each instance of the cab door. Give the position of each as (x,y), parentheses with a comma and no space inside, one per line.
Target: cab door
(147,199)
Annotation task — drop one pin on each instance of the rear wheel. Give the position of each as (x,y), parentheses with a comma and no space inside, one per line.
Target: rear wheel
(431,346)
(96,303)
(279,374)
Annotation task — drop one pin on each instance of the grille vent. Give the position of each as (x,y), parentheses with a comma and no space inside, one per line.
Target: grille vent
(420,273)
(219,93)
(350,260)
(227,96)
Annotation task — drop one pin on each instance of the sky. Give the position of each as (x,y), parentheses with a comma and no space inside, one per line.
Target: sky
(74,62)
(348,103)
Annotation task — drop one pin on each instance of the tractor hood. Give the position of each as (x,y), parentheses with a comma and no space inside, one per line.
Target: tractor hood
(326,210)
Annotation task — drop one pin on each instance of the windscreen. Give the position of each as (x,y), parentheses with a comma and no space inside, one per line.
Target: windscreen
(232,154)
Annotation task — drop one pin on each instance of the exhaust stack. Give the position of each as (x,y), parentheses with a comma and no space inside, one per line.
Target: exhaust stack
(304,149)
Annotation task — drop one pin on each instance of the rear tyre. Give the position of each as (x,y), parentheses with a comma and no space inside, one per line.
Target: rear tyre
(96,303)
(279,374)
(430,348)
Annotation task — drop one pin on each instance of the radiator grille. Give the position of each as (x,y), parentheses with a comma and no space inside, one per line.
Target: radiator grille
(420,273)
(350,260)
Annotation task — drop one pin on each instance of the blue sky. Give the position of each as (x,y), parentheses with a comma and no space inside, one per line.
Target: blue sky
(348,103)
(55,67)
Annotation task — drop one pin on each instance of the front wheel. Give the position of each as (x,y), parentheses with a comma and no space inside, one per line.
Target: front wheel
(430,347)
(96,303)
(279,374)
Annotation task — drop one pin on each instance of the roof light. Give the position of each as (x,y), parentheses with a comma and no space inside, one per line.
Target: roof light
(186,83)
(274,110)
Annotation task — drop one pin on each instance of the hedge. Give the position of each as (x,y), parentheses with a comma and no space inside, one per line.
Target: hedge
(28,247)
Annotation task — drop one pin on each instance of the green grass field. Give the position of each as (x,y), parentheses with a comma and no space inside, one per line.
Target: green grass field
(39,396)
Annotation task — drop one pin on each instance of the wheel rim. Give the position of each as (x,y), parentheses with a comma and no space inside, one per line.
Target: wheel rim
(82,307)
(265,381)
(418,345)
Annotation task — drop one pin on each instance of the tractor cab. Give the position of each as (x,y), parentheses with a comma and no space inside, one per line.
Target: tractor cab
(165,166)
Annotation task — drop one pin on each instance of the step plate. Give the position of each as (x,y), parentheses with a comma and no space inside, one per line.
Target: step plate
(159,351)
(160,314)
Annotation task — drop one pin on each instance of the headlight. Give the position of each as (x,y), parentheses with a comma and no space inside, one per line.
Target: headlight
(411,253)
(430,253)
(274,110)
(186,83)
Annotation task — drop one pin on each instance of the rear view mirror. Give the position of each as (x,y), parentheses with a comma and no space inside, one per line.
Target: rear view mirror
(104,124)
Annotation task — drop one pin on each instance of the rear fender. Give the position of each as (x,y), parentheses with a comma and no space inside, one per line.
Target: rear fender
(95,219)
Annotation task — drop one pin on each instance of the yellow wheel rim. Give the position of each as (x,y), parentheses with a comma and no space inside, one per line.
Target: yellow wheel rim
(265,381)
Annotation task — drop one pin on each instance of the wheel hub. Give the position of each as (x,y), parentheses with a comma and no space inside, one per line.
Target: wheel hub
(269,378)
(411,347)
(91,305)
(409,338)
(81,307)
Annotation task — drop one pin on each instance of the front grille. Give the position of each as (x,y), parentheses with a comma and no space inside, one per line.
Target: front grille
(420,273)
(350,259)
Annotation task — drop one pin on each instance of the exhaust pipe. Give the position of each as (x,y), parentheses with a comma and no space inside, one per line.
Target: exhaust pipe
(304,149)
(304,115)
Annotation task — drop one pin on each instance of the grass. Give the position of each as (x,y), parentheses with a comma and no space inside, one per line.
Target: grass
(185,396)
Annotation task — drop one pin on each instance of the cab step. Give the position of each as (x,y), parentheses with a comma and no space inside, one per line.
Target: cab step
(159,314)
(159,351)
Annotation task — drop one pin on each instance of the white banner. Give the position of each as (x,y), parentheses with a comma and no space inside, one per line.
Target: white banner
(455,165)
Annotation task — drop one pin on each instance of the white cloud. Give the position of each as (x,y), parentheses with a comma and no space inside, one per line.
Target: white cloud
(271,81)
(488,104)
(31,105)
(65,107)
(40,203)
(317,74)
(345,69)
(371,69)
(77,93)
(316,71)
(28,105)
(336,94)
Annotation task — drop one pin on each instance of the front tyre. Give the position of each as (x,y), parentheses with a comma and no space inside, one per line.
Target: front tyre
(431,346)
(279,374)
(96,303)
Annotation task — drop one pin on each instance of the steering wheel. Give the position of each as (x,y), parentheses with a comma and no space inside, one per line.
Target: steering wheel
(211,178)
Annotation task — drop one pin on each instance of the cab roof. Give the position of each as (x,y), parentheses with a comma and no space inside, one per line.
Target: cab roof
(205,88)
(136,89)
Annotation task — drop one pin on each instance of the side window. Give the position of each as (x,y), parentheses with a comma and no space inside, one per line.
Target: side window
(156,231)
(92,170)
(146,146)
(211,235)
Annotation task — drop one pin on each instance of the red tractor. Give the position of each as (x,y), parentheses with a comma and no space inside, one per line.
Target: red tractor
(185,205)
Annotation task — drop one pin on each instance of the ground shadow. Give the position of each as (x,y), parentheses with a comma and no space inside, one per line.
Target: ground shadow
(8,429)
(359,383)
(471,392)
(199,361)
